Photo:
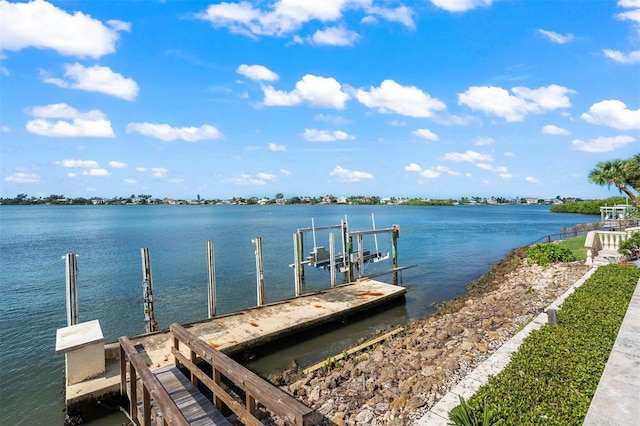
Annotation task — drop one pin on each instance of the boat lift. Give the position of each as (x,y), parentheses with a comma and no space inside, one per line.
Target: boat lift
(350,259)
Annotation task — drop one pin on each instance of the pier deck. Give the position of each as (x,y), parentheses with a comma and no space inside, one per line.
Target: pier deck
(236,332)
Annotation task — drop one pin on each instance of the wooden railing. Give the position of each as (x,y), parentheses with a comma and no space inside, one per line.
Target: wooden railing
(256,390)
(132,363)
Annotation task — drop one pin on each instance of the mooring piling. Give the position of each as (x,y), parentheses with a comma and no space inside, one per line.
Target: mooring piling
(71,267)
(151,324)
(211,268)
(259,271)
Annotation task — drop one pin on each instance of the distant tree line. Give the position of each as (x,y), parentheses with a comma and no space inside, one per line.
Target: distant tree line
(587,206)
(58,199)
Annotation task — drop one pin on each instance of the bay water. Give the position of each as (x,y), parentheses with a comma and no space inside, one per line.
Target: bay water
(450,246)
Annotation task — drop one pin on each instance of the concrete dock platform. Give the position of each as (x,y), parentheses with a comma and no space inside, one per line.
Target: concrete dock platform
(236,332)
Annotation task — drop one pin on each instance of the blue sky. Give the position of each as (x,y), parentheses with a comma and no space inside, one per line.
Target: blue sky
(434,99)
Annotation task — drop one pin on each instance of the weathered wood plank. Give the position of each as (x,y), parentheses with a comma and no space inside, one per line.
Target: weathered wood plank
(197,409)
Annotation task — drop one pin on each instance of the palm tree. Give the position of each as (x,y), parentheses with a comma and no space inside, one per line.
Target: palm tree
(623,174)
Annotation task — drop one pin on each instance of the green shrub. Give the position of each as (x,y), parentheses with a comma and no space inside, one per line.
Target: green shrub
(543,254)
(467,415)
(631,246)
(554,375)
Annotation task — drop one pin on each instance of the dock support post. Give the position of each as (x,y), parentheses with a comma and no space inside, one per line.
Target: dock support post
(71,266)
(394,248)
(301,257)
(211,268)
(297,265)
(259,271)
(360,256)
(346,253)
(151,324)
(332,258)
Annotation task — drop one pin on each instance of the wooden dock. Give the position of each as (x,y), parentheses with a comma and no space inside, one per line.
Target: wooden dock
(173,395)
(236,332)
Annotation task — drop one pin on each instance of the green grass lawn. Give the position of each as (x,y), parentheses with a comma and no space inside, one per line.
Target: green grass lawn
(576,245)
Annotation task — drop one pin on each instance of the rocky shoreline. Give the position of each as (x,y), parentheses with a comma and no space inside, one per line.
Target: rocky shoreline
(401,378)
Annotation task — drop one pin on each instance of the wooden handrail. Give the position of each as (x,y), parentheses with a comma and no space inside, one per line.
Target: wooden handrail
(151,387)
(257,390)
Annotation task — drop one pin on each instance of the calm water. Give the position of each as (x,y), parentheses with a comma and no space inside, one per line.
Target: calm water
(451,246)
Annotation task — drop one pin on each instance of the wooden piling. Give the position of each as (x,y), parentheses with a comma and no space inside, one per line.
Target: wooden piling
(332,258)
(151,324)
(259,272)
(71,266)
(297,265)
(211,268)
(394,249)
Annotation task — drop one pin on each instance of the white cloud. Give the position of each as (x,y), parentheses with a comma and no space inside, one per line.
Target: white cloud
(257,72)
(401,14)
(613,113)
(498,101)
(632,57)
(159,172)
(285,172)
(96,79)
(314,135)
(21,177)
(96,172)
(41,25)
(425,134)
(334,36)
(333,119)
(276,148)
(265,176)
(404,100)
(551,129)
(167,133)
(631,15)
(349,176)
(284,17)
(430,173)
(83,164)
(73,123)
(602,144)
(480,141)
(118,164)
(531,179)
(316,91)
(469,156)
(247,179)
(555,37)
(413,167)
(460,5)
(65,111)
(130,181)
(629,3)
(77,128)
(501,171)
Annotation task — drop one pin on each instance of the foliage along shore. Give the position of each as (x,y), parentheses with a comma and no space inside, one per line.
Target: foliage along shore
(558,204)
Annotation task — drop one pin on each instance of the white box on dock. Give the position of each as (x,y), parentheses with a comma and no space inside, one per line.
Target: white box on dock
(83,348)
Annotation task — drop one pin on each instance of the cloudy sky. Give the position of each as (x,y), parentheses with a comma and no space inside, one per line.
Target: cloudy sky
(417,98)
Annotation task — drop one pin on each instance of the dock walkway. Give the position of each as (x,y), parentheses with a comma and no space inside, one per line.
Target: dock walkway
(236,332)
